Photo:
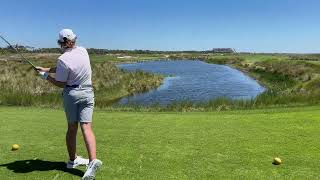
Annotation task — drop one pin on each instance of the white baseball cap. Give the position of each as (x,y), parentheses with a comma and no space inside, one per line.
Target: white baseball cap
(66,33)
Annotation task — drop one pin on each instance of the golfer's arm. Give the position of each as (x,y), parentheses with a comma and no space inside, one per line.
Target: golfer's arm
(56,83)
(49,70)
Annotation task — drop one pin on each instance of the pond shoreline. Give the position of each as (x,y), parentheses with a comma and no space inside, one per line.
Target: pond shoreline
(272,71)
(201,82)
(242,69)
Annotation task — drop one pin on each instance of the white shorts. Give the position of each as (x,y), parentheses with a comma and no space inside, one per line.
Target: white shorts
(78,104)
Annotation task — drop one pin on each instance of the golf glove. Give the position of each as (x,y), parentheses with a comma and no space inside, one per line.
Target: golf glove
(43,75)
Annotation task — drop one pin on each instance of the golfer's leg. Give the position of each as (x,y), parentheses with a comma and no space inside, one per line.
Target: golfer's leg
(71,139)
(89,139)
(71,109)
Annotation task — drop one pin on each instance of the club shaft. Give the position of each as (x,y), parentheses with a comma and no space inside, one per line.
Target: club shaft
(25,59)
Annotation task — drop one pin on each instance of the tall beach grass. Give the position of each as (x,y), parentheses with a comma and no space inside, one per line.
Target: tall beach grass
(21,86)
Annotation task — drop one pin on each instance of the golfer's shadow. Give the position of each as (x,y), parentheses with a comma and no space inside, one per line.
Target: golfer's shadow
(27,166)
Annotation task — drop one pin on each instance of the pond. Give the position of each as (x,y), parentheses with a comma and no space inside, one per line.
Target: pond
(192,80)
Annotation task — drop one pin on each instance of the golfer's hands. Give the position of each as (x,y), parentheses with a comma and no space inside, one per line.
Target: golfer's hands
(43,75)
(42,69)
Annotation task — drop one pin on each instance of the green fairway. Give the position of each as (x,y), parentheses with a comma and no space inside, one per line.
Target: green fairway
(226,145)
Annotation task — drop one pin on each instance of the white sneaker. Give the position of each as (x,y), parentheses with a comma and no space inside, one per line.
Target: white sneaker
(92,169)
(77,162)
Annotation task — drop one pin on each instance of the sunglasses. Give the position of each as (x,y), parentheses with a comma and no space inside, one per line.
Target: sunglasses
(62,42)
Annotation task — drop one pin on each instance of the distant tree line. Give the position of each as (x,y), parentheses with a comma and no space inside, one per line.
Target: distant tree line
(9,49)
(28,49)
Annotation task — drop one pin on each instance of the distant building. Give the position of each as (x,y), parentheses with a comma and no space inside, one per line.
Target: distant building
(21,47)
(30,48)
(223,50)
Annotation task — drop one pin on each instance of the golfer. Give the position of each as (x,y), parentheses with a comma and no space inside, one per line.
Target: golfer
(73,73)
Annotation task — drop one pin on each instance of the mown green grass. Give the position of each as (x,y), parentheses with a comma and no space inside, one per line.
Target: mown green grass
(225,145)
(263,57)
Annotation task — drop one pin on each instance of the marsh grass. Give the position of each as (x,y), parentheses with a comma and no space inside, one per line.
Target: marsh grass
(21,86)
(290,82)
(229,59)
(268,99)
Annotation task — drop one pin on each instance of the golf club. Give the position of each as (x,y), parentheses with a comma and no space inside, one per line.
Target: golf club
(34,67)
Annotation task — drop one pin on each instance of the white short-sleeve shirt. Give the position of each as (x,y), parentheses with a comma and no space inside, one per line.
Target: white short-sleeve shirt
(74,67)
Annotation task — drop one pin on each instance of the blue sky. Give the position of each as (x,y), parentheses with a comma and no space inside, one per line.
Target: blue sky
(246,25)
